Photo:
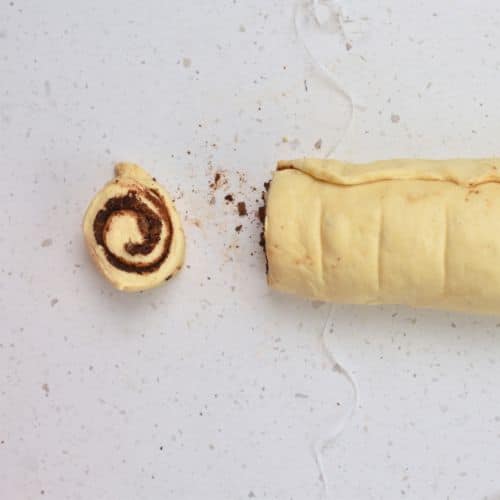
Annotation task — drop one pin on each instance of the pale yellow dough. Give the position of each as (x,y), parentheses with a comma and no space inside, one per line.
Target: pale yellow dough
(122,228)
(425,233)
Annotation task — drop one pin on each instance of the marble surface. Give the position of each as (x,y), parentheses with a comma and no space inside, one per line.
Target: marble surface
(213,386)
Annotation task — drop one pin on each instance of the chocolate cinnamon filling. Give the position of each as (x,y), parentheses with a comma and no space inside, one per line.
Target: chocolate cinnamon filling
(149,224)
(262,217)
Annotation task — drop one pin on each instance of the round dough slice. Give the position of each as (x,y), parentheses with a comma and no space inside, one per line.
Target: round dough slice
(133,231)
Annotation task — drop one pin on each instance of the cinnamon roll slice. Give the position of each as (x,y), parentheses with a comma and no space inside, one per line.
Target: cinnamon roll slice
(133,231)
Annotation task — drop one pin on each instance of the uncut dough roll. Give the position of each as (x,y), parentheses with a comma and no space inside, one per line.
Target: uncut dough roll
(424,233)
(133,231)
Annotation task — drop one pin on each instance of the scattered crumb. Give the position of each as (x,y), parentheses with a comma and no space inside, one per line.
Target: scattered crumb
(186,62)
(229,198)
(318,144)
(301,395)
(262,214)
(46,242)
(238,228)
(348,46)
(53,302)
(46,389)
(242,28)
(218,181)
(242,178)
(242,208)
(395,118)
(211,201)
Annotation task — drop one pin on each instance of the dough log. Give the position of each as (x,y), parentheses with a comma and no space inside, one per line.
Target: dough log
(133,231)
(417,232)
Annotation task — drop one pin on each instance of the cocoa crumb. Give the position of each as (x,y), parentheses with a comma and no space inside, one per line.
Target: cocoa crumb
(262,214)
(267,185)
(242,178)
(242,208)
(229,198)
(217,182)
(238,228)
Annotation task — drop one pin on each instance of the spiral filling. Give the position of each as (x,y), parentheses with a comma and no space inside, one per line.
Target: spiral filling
(150,224)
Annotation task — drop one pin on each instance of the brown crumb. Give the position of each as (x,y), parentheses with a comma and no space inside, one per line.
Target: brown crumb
(242,208)
(229,198)
(238,228)
(211,201)
(318,144)
(242,177)
(218,181)
(267,185)
(262,214)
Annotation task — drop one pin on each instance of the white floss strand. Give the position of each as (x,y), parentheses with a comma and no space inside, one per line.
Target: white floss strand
(329,438)
(321,15)
(320,18)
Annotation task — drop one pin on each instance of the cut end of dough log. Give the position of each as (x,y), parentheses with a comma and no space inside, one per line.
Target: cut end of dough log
(405,231)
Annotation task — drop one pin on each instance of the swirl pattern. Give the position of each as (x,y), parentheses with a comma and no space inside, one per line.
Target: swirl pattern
(133,231)
(150,226)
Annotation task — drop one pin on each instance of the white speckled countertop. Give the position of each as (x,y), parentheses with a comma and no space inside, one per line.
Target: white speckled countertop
(214,387)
